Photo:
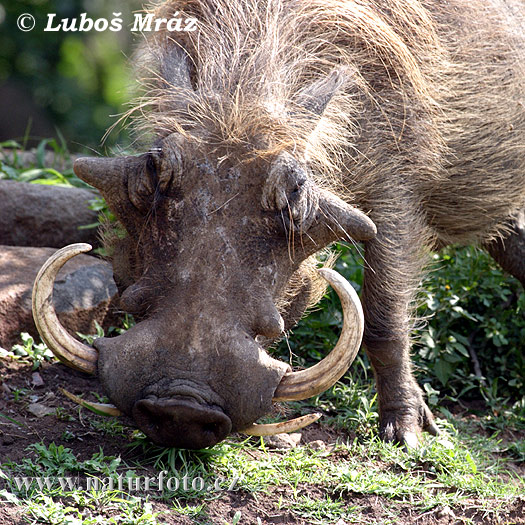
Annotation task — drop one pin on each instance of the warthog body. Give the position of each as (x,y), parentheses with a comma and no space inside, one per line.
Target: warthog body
(410,111)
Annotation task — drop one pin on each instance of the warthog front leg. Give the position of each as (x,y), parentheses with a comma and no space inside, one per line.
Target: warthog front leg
(403,413)
(392,272)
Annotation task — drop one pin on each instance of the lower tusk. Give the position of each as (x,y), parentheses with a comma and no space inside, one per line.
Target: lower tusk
(70,351)
(320,377)
(102,409)
(280,428)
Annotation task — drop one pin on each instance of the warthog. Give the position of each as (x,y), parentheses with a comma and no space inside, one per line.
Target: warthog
(274,129)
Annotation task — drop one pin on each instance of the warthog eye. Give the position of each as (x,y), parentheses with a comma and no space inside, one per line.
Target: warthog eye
(151,164)
(302,206)
(296,192)
(142,183)
(162,166)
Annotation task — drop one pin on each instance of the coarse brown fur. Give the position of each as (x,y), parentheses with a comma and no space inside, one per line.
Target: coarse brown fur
(422,127)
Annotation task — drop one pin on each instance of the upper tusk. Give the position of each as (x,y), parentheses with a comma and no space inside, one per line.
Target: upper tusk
(312,381)
(70,351)
(284,426)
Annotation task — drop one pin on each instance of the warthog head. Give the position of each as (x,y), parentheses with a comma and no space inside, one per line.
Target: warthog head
(214,265)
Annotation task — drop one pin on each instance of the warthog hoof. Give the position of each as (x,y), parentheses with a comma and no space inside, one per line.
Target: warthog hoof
(405,425)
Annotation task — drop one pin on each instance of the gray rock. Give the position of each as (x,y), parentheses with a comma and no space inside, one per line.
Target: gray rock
(40,410)
(84,292)
(36,379)
(39,215)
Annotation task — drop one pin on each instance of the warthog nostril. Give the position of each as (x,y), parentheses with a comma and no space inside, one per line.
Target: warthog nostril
(181,423)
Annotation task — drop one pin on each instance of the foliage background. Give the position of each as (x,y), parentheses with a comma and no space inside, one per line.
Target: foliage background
(64,83)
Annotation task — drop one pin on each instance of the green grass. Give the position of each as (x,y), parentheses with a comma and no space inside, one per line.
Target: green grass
(463,469)
(453,470)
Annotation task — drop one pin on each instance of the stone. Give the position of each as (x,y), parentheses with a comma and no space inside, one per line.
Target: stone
(317,444)
(40,215)
(283,441)
(36,379)
(40,410)
(84,292)
(445,512)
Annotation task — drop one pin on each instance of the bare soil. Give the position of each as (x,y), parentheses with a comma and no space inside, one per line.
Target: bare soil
(16,380)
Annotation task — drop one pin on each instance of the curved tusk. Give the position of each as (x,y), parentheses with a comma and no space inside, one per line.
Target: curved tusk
(102,409)
(312,381)
(284,426)
(70,351)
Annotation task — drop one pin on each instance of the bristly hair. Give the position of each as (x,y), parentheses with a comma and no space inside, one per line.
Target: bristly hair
(251,60)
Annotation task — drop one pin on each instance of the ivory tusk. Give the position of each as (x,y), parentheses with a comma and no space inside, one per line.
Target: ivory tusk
(312,381)
(102,409)
(70,351)
(284,426)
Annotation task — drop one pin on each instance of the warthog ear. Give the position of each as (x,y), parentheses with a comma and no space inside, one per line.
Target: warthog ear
(175,67)
(103,173)
(338,220)
(316,96)
(114,177)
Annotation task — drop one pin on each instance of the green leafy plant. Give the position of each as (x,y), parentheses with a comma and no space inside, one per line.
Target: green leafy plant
(470,342)
(15,165)
(473,344)
(31,351)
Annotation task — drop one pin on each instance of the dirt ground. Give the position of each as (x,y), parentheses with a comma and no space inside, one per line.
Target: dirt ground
(78,435)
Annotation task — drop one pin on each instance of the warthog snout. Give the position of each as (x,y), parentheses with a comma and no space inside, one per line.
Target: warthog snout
(181,423)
